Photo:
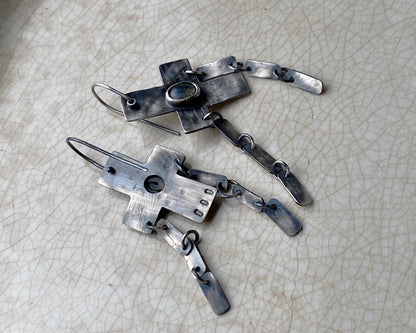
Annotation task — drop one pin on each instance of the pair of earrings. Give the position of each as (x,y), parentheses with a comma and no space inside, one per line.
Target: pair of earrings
(165,183)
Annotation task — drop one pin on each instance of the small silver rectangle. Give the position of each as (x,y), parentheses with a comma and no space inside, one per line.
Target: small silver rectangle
(217,68)
(262,69)
(268,70)
(282,217)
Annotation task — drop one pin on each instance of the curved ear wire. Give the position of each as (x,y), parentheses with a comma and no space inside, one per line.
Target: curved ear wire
(130,101)
(102,151)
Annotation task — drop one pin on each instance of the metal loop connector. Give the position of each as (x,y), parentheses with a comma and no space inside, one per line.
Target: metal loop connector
(213,116)
(157,227)
(286,76)
(225,193)
(186,236)
(282,165)
(249,137)
(238,67)
(195,271)
(181,167)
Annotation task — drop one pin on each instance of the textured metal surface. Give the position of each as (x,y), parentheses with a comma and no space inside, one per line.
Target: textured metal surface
(228,130)
(248,198)
(268,70)
(196,263)
(295,188)
(152,102)
(283,217)
(262,69)
(220,67)
(244,141)
(181,195)
(208,177)
(231,189)
(305,82)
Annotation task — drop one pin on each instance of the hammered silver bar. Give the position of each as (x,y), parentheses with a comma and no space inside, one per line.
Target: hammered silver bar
(220,67)
(295,188)
(283,217)
(268,70)
(248,198)
(297,191)
(196,263)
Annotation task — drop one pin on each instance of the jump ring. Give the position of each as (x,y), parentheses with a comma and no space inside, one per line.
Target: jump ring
(225,195)
(194,271)
(239,66)
(210,115)
(181,167)
(250,138)
(283,165)
(186,235)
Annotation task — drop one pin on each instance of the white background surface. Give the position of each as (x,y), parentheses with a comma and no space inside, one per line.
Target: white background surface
(68,264)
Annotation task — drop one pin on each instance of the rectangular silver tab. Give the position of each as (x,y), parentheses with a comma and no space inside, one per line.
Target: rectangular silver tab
(282,217)
(220,67)
(196,263)
(268,70)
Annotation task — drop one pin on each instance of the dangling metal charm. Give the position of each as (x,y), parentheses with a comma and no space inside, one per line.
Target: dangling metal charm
(163,183)
(190,93)
(156,185)
(186,246)
(277,168)
(262,69)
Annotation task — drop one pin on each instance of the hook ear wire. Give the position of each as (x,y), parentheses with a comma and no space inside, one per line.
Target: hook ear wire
(102,151)
(130,101)
(85,157)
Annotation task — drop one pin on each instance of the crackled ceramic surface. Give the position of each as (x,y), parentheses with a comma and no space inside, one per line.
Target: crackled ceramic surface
(68,264)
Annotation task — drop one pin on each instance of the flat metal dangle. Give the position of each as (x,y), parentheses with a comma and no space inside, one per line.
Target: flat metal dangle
(191,93)
(164,184)
(154,186)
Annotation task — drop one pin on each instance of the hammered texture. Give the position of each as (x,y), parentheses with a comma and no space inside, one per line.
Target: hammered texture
(67,264)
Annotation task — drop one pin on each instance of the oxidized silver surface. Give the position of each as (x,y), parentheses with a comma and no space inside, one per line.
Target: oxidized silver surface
(297,191)
(268,70)
(179,194)
(283,217)
(196,263)
(220,67)
(274,209)
(153,102)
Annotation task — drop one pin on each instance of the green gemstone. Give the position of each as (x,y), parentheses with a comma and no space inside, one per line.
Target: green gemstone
(182,91)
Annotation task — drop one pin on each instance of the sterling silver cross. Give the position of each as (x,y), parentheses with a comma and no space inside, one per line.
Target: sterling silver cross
(187,93)
(156,185)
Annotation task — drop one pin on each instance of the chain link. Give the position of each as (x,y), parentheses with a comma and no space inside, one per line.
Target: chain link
(228,188)
(277,168)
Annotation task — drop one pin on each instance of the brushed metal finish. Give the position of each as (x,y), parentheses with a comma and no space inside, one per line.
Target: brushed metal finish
(220,67)
(283,217)
(152,102)
(268,70)
(196,263)
(246,143)
(248,198)
(181,195)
